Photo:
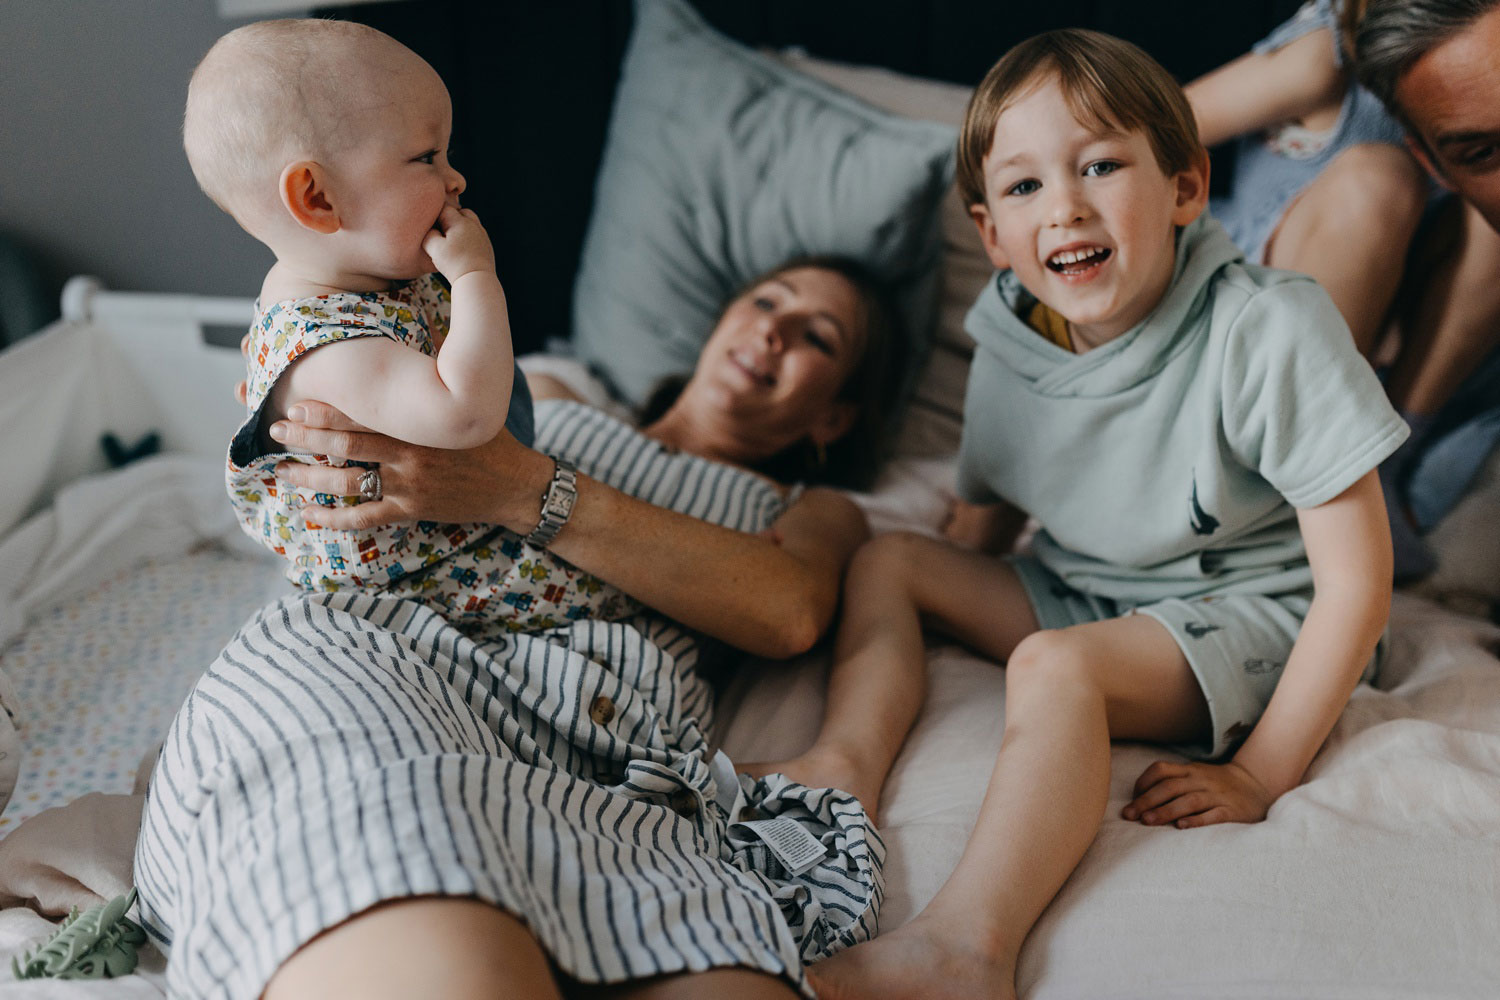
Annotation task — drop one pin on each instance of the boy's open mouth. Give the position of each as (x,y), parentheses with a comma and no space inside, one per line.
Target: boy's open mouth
(1078,261)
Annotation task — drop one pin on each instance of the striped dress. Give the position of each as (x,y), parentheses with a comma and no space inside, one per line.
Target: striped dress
(347,749)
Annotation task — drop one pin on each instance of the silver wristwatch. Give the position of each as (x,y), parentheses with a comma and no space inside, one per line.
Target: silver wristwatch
(557,504)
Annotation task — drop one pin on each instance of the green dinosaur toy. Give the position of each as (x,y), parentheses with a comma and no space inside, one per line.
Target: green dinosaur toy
(98,944)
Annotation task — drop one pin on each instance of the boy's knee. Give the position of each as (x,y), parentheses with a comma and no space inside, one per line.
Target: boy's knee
(1055,658)
(892,555)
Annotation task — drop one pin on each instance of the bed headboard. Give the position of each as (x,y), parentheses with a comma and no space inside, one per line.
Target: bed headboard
(532,85)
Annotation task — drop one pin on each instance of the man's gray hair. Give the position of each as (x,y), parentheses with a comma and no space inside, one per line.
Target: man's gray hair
(1394,34)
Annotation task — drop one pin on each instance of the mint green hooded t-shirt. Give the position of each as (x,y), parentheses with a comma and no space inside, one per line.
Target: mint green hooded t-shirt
(1167,462)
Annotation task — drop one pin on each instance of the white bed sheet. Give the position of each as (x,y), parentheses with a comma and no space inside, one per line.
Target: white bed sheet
(1379,877)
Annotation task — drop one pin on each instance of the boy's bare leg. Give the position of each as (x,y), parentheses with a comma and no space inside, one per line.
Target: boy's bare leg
(1350,230)
(896,584)
(1067,693)
(427,947)
(1454,322)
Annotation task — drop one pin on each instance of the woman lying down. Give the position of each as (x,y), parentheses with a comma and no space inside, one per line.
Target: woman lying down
(358,799)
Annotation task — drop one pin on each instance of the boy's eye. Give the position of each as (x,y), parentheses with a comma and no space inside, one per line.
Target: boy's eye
(427,157)
(763,303)
(1025,187)
(1101,168)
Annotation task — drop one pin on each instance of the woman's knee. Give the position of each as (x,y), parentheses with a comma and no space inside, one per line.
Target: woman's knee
(1373,182)
(447,947)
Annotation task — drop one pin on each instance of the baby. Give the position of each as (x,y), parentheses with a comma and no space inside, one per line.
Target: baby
(1198,437)
(328,142)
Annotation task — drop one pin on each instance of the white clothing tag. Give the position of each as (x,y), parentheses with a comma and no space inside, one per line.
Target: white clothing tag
(794,847)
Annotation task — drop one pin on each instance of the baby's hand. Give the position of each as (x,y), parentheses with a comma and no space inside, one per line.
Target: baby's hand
(459,244)
(1188,795)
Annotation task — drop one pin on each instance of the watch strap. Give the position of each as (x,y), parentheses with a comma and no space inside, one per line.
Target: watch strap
(557,504)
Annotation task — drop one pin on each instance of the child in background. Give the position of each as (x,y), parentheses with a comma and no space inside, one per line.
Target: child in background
(1198,438)
(327,141)
(1324,184)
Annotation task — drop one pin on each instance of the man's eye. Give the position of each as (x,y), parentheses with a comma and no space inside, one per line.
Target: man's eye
(1478,156)
(1102,168)
(1024,187)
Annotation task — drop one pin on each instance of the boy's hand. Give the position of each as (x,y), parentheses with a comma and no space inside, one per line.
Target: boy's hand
(1188,795)
(458,244)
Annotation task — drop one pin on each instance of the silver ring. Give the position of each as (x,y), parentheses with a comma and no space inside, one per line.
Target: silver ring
(369,485)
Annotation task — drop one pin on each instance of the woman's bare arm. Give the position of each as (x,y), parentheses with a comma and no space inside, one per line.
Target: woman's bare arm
(772,596)
(1257,90)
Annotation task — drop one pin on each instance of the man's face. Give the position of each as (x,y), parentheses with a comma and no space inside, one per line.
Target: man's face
(1452,97)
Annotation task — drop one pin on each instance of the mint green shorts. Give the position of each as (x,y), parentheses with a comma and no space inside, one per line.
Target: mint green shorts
(1236,644)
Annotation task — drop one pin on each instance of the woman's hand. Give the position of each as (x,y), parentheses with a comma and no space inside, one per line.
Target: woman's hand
(493,483)
(1188,795)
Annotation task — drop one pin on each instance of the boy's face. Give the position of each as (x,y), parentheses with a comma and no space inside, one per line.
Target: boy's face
(1086,219)
(392,185)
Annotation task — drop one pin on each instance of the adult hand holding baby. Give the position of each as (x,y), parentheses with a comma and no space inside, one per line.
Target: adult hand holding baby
(496,483)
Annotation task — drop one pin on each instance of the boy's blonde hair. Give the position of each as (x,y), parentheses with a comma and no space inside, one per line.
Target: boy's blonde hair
(276,91)
(1108,83)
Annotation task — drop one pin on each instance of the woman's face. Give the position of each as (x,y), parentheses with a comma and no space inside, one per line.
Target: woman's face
(781,353)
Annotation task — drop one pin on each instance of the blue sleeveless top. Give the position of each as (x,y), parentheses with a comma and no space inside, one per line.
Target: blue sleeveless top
(1269,174)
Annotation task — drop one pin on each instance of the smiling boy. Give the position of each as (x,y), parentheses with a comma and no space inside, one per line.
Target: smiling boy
(1198,439)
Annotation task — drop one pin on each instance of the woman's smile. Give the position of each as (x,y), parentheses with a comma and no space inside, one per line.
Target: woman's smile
(755,369)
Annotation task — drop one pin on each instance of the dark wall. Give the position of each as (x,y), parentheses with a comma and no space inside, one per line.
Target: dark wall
(532,82)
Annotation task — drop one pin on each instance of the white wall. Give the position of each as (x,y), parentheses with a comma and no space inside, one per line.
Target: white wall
(92,174)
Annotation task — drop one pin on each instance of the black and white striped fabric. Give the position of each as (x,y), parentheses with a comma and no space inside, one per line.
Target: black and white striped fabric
(347,749)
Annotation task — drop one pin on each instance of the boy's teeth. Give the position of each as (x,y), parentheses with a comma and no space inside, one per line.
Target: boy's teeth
(1064,258)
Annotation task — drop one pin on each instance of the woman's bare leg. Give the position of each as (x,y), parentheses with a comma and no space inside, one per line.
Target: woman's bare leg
(1067,693)
(428,947)
(1454,320)
(1350,230)
(896,584)
(721,984)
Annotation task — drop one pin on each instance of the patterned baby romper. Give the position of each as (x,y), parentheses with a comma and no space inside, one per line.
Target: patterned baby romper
(480,577)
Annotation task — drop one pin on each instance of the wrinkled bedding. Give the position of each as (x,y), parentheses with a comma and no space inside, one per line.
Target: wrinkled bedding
(1379,877)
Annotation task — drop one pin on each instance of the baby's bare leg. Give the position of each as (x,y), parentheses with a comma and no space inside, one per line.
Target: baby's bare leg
(1350,230)
(427,947)
(1068,692)
(896,584)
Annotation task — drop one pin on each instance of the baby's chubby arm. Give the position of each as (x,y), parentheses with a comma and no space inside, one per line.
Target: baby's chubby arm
(1349,548)
(457,399)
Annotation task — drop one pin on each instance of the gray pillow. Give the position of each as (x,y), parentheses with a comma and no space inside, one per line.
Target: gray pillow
(720,164)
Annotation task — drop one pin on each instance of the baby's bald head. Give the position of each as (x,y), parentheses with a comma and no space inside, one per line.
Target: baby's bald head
(274,92)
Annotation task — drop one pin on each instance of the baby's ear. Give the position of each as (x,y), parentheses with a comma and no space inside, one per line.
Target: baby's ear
(305,195)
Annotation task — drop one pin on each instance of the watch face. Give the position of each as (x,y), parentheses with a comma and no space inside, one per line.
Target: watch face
(558,507)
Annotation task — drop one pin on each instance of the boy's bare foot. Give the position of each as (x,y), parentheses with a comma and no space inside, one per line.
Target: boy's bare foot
(925,960)
(819,768)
